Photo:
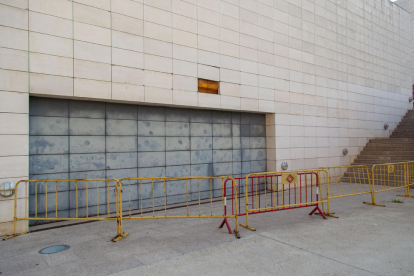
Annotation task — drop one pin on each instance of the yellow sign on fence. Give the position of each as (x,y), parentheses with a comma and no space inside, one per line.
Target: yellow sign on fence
(391,168)
(289,178)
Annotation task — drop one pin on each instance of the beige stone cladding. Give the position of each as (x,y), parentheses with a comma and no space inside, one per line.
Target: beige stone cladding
(327,73)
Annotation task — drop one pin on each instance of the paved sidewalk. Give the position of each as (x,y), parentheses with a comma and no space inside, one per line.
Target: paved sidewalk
(365,240)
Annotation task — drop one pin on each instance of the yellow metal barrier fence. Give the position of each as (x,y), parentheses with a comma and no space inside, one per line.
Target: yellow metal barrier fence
(347,181)
(387,177)
(45,205)
(287,190)
(146,198)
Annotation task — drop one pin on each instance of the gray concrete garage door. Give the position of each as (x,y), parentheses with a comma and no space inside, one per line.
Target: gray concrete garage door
(84,139)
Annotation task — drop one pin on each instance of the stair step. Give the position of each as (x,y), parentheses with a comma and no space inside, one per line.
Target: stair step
(392,140)
(387,152)
(404,130)
(384,157)
(393,146)
(375,162)
(406,123)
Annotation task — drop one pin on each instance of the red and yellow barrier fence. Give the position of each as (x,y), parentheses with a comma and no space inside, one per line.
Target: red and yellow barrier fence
(288,190)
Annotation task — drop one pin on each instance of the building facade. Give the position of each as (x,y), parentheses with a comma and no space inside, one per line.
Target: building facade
(84,83)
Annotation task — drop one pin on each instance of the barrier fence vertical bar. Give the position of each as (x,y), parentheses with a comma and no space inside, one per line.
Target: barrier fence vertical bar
(15,210)
(186,195)
(36,199)
(97,198)
(55,199)
(327,180)
(165,201)
(140,184)
(247,205)
(236,230)
(46,199)
(87,210)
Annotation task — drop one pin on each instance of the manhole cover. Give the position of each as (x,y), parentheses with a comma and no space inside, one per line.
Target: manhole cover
(54,249)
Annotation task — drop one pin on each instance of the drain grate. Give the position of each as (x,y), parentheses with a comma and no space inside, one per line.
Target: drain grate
(54,249)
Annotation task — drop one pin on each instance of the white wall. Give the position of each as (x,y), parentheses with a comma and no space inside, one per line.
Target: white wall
(329,73)
(408,5)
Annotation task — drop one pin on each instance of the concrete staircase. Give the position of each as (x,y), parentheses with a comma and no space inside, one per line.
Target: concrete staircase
(398,148)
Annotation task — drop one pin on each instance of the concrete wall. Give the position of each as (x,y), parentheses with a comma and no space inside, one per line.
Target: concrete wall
(86,139)
(329,73)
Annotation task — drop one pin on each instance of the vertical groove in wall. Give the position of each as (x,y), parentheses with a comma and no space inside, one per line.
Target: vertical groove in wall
(136,140)
(69,152)
(73,48)
(28,91)
(110,25)
(191,161)
(165,141)
(106,152)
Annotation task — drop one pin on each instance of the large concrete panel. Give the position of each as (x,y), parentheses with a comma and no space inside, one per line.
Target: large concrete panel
(48,126)
(86,109)
(178,143)
(83,126)
(121,127)
(151,144)
(49,107)
(48,144)
(121,111)
(86,144)
(151,128)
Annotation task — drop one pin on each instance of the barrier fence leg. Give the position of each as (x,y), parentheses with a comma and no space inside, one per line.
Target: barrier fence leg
(373,201)
(120,233)
(373,191)
(247,223)
(407,186)
(236,231)
(227,224)
(15,232)
(247,208)
(320,212)
(328,213)
(407,192)
(15,216)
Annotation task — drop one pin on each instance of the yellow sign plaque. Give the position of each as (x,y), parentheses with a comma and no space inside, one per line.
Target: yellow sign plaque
(391,168)
(289,178)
